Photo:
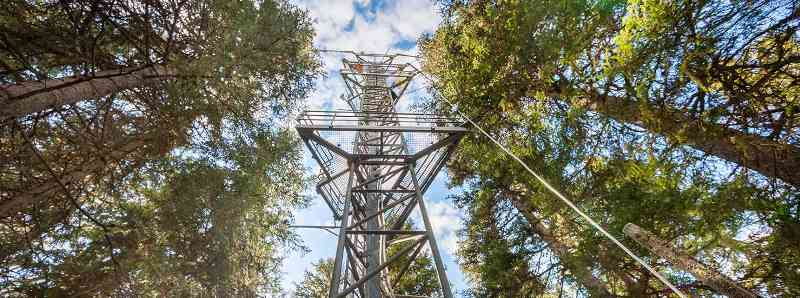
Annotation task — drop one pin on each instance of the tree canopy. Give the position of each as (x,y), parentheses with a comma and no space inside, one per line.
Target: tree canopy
(142,145)
(676,116)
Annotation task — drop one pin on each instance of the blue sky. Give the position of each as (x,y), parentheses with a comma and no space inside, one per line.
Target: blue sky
(370,26)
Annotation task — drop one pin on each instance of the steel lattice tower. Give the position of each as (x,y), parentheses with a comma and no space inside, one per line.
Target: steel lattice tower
(376,163)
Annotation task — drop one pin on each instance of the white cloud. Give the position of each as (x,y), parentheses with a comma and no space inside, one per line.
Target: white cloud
(411,18)
(445,220)
(340,26)
(330,16)
(396,21)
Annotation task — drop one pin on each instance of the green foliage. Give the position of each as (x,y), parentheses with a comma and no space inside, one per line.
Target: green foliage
(497,262)
(525,71)
(233,63)
(191,225)
(218,229)
(181,188)
(317,281)
(420,278)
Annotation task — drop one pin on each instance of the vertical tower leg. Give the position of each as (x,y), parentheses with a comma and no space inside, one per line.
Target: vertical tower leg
(373,240)
(336,280)
(437,258)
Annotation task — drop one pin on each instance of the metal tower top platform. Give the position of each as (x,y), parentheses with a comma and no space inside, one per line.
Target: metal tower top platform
(375,164)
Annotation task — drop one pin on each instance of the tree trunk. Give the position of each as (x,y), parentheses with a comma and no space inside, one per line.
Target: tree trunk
(26,98)
(582,273)
(42,191)
(770,158)
(708,276)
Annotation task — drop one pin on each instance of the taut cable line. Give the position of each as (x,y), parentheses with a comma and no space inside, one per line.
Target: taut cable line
(558,194)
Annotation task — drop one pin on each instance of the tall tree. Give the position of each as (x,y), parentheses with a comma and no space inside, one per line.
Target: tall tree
(222,46)
(561,86)
(624,68)
(122,181)
(239,61)
(189,226)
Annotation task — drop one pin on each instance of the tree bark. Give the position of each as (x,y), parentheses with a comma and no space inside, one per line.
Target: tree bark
(26,98)
(708,276)
(770,158)
(42,191)
(582,273)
